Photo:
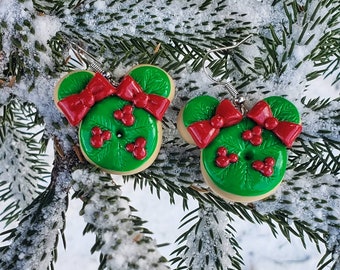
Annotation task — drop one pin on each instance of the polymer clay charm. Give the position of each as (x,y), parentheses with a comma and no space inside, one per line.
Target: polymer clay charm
(243,159)
(119,127)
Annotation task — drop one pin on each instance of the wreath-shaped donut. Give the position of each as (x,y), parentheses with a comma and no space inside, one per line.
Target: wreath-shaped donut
(242,159)
(119,127)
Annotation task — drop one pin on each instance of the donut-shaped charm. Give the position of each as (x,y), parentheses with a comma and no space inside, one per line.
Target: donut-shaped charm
(243,159)
(120,127)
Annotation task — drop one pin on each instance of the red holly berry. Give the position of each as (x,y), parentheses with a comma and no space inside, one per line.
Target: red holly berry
(139,153)
(267,171)
(106,135)
(269,161)
(258,165)
(128,109)
(266,167)
(222,151)
(130,147)
(125,115)
(97,141)
(137,148)
(140,142)
(128,120)
(257,130)
(118,115)
(233,158)
(256,140)
(247,135)
(98,137)
(222,161)
(253,135)
(96,131)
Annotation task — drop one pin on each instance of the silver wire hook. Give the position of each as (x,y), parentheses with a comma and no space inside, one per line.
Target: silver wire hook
(237,99)
(79,58)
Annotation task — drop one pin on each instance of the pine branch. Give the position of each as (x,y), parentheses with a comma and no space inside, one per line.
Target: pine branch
(331,258)
(33,243)
(320,157)
(208,243)
(281,43)
(279,220)
(290,51)
(23,171)
(121,238)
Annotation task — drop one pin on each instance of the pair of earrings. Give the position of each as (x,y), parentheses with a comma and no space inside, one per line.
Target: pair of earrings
(244,153)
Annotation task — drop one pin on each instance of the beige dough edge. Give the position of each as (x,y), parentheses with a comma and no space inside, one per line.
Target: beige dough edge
(182,129)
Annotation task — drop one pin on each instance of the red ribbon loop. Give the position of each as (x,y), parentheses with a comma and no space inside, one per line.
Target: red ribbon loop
(130,90)
(205,131)
(76,106)
(286,131)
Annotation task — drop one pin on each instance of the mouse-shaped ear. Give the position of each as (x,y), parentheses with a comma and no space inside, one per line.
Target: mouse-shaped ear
(78,91)
(278,115)
(202,118)
(148,87)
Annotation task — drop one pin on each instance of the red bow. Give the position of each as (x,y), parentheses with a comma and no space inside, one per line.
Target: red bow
(76,106)
(130,90)
(262,114)
(203,132)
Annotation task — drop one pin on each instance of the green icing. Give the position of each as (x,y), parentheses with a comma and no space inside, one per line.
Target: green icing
(240,178)
(74,83)
(198,109)
(283,109)
(152,79)
(113,156)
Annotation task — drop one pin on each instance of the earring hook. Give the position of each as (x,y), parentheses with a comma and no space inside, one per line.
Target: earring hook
(239,100)
(80,58)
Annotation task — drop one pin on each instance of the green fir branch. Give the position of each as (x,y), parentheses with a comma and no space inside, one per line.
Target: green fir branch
(277,222)
(326,52)
(33,243)
(187,255)
(321,157)
(110,219)
(20,124)
(185,49)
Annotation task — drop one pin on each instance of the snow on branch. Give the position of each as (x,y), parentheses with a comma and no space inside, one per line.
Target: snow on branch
(22,169)
(293,43)
(33,243)
(209,243)
(120,236)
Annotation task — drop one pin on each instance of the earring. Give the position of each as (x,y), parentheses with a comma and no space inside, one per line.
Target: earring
(243,152)
(120,127)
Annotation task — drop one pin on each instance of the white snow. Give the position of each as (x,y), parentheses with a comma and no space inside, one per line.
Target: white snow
(100,5)
(124,243)
(45,28)
(260,250)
